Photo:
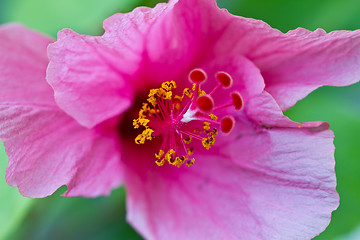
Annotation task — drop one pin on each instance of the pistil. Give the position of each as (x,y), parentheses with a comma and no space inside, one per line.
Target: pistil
(182,119)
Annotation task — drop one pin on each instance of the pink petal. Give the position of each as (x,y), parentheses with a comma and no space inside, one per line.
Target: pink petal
(264,110)
(292,64)
(22,63)
(46,148)
(285,191)
(295,64)
(94,77)
(87,86)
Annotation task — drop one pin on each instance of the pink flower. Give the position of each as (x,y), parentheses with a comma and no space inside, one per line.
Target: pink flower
(265,177)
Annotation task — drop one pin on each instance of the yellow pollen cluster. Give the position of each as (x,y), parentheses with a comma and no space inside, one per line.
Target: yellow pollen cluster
(186,92)
(171,158)
(188,140)
(213,117)
(145,135)
(210,140)
(200,92)
(155,111)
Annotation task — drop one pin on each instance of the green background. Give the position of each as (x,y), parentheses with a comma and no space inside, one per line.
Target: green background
(56,217)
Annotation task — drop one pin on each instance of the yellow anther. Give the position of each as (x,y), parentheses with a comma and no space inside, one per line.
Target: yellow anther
(167,95)
(160,163)
(179,98)
(144,121)
(152,100)
(215,132)
(211,140)
(161,92)
(206,143)
(168,86)
(170,155)
(187,140)
(153,92)
(141,114)
(179,161)
(148,133)
(136,123)
(145,135)
(190,151)
(201,92)
(160,154)
(206,126)
(190,162)
(140,139)
(213,117)
(145,106)
(187,92)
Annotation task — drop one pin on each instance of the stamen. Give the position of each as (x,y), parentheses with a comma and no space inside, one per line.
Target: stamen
(225,81)
(182,120)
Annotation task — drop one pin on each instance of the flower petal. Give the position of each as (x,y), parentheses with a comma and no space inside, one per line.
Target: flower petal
(94,77)
(87,86)
(295,64)
(266,113)
(292,64)
(46,148)
(23,62)
(285,191)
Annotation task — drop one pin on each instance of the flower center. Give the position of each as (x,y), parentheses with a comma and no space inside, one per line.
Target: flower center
(182,119)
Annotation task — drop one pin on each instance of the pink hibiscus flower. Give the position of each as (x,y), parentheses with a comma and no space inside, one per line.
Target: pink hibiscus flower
(256,175)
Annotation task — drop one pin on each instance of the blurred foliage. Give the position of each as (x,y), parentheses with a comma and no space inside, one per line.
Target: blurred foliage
(50,16)
(59,218)
(13,207)
(104,218)
(290,14)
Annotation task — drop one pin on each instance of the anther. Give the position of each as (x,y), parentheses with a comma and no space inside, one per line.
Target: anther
(183,119)
(205,103)
(227,124)
(197,76)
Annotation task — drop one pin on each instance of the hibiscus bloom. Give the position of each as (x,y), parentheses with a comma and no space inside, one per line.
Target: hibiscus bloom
(245,171)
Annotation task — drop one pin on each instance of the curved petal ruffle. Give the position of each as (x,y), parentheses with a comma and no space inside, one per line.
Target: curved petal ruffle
(46,147)
(266,113)
(286,186)
(292,64)
(295,64)
(87,86)
(94,78)
(23,62)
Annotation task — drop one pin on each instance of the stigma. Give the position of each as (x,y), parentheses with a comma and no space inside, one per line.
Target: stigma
(185,120)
